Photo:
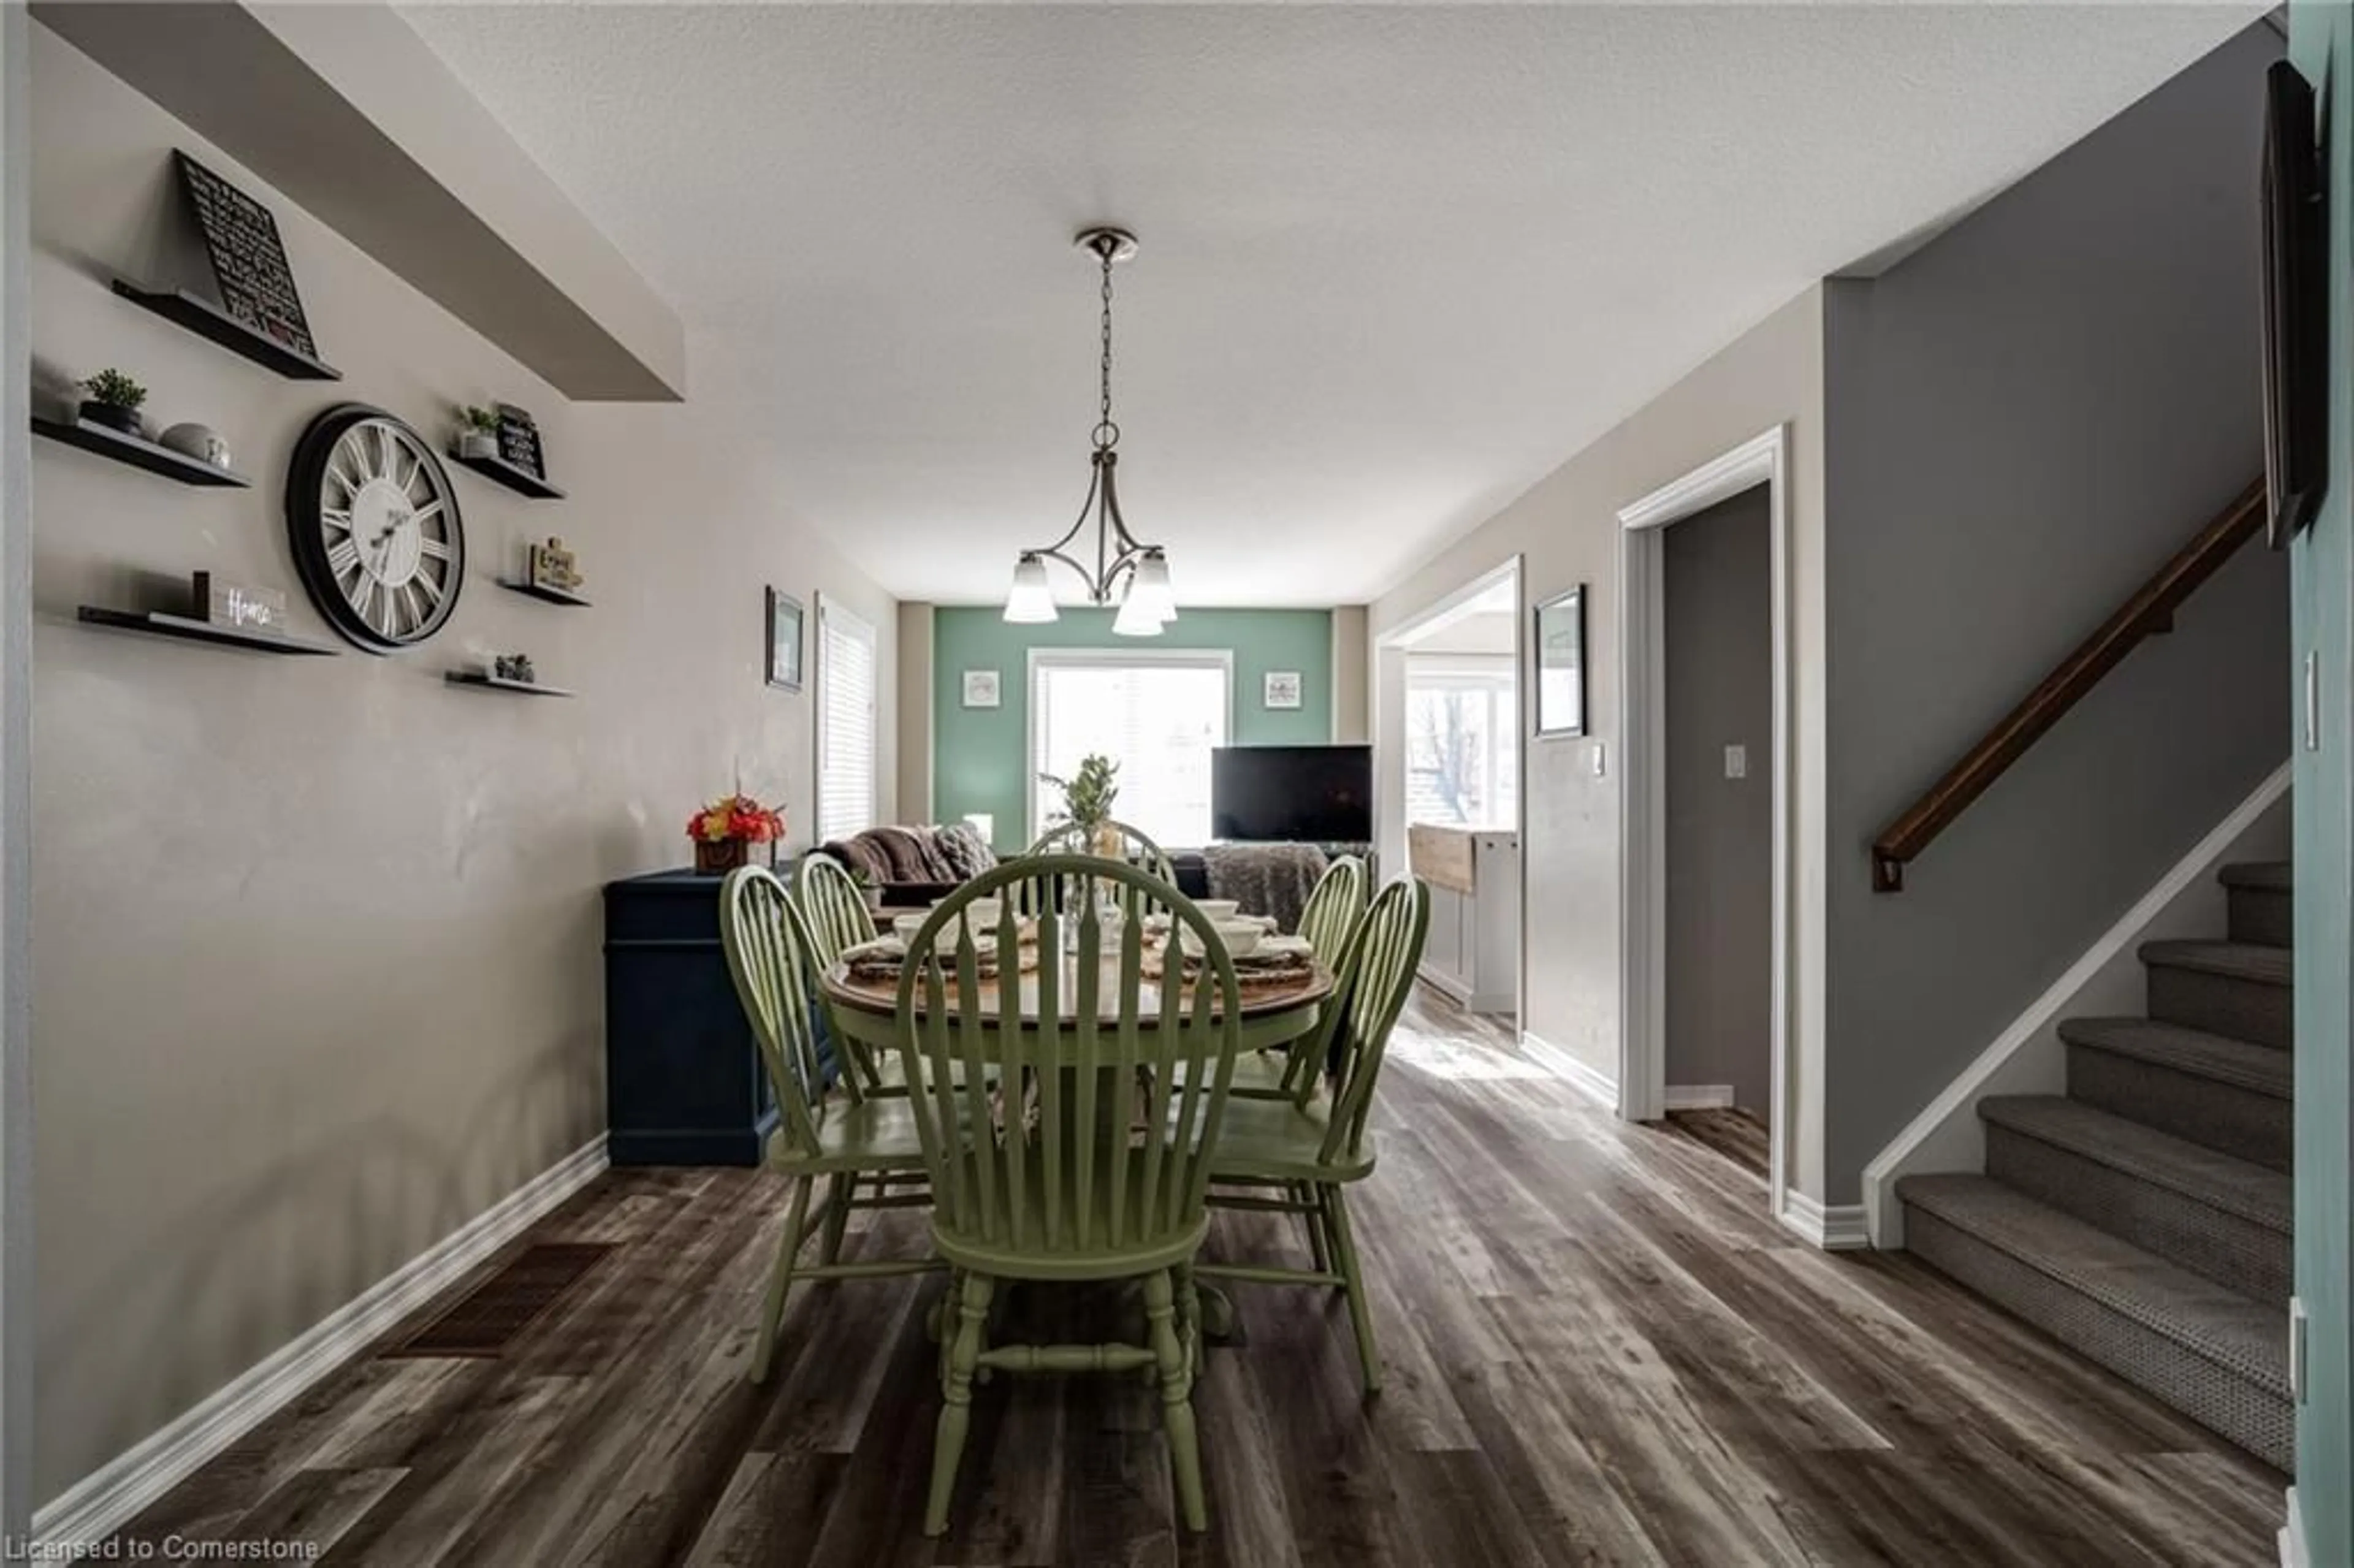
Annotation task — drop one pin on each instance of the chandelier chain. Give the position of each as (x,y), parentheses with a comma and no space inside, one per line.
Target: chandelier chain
(1107,433)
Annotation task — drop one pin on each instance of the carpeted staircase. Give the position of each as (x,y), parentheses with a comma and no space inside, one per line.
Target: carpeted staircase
(2143,1219)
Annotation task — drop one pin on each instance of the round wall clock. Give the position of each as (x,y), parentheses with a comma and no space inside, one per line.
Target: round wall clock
(374,528)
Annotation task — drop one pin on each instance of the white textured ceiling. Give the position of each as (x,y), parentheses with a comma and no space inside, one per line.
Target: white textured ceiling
(1398,262)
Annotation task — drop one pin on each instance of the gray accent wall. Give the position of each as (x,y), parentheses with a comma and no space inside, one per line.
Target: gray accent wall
(2023,420)
(1719,645)
(318,971)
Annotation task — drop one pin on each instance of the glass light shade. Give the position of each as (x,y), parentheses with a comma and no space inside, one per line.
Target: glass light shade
(1134,618)
(1151,589)
(1032,602)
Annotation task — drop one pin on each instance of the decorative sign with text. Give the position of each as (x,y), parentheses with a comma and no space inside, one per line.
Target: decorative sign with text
(552,566)
(240,605)
(519,441)
(257,286)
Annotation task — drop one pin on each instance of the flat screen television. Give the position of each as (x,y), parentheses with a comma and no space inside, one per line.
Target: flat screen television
(1299,794)
(2296,308)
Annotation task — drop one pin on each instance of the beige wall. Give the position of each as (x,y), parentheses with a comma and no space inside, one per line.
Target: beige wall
(1484,631)
(1352,719)
(317,970)
(915,712)
(1565,532)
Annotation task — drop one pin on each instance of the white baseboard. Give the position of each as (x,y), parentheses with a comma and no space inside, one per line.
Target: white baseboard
(1698,1097)
(1562,1064)
(1837,1227)
(2027,1057)
(110,1497)
(1445,984)
(2293,1553)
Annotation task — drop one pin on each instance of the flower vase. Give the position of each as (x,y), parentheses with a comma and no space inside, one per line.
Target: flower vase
(1108,844)
(714,857)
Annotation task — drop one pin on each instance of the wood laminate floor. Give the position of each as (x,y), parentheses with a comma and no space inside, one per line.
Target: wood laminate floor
(1599,1352)
(1739,1135)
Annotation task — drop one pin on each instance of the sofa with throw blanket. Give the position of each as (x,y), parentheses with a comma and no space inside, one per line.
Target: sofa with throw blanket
(914,865)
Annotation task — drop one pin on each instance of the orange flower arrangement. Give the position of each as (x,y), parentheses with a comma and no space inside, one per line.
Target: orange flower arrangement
(722,829)
(737,817)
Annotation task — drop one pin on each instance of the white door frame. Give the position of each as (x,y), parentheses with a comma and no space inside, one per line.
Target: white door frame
(1388,675)
(1643,783)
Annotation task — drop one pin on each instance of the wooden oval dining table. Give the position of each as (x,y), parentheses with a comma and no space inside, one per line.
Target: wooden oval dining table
(1276,1012)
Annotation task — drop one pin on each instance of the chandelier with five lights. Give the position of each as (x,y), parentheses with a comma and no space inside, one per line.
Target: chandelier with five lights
(1136,575)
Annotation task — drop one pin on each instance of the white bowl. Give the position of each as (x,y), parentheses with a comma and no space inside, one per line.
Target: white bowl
(1241,937)
(1218,909)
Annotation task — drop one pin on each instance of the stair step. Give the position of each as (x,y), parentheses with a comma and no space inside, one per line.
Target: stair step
(2260,900)
(2240,989)
(2225,1218)
(2213,1354)
(2231,1096)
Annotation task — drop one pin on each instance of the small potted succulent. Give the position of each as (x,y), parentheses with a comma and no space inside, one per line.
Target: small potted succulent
(725,832)
(478,432)
(113,401)
(1088,797)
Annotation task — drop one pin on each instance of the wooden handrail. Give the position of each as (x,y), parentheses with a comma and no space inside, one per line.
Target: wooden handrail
(2147,613)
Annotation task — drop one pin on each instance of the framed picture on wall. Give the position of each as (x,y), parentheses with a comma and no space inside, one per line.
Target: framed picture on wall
(784,641)
(1561,664)
(981,689)
(1282,689)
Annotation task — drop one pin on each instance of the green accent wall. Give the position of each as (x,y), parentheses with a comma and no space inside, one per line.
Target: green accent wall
(980,756)
(2321,593)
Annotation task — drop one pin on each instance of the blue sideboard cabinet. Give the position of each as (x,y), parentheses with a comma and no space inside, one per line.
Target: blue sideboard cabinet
(684,1083)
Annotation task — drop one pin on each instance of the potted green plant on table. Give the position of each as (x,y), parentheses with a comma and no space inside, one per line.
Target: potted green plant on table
(113,401)
(1088,797)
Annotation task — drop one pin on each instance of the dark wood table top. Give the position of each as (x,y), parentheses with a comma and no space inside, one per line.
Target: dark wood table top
(1261,999)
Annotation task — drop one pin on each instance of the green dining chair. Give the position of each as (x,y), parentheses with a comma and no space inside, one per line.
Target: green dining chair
(1313,1145)
(1329,920)
(848,1139)
(1092,1161)
(834,905)
(833,911)
(1334,905)
(1136,847)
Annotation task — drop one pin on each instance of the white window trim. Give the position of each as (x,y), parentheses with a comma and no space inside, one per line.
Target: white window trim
(858,626)
(1219,659)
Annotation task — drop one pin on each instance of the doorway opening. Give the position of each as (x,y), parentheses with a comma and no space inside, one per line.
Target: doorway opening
(1705,882)
(1716,641)
(1451,782)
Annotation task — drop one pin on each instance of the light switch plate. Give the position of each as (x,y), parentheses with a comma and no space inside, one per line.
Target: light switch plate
(1736,762)
(2296,1350)
(1597,759)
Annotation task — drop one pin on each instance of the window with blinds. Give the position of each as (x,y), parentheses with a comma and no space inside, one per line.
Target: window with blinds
(1158,717)
(845,722)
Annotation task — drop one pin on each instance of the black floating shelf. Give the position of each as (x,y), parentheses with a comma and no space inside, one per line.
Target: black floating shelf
(521,480)
(204,318)
(541,590)
(160,623)
(492,683)
(136,450)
